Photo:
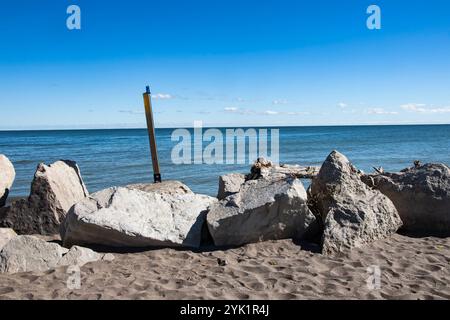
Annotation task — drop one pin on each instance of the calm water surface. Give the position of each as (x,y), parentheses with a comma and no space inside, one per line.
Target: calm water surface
(121,156)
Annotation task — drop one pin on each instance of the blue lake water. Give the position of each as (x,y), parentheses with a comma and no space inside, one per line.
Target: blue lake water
(121,156)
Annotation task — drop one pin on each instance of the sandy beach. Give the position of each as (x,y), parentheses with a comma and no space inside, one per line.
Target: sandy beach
(411,268)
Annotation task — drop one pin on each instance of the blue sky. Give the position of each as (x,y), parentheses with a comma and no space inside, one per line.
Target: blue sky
(227,63)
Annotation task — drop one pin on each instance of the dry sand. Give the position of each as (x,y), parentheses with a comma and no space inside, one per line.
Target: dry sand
(411,268)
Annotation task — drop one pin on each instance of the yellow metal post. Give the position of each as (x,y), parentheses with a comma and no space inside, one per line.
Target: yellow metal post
(151,134)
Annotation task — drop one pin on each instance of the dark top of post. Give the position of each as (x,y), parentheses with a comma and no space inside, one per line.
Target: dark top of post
(147,89)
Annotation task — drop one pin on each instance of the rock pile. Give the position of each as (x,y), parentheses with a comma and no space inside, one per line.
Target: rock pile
(343,207)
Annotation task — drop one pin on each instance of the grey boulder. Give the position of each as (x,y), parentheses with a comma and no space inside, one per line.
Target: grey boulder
(262,209)
(352,214)
(7,176)
(127,217)
(29,253)
(421,195)
(79,256)
(55,188)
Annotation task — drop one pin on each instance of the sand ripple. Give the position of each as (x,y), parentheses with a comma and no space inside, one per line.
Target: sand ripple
(411,268)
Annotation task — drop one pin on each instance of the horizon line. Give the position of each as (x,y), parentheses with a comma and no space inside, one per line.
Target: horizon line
(226,127)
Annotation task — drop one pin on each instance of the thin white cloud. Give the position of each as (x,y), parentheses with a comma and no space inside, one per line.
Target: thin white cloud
(380,111)
(246,111)
(266,112)
(162,96)
(279,101)
(132,111)
(238,110)
(342,105)
(422,108)
(230,109)
(290,113)
(296,113)
(418,107)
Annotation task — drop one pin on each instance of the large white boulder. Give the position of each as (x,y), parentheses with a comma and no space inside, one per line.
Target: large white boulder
(128,217)
(55,188)
(262,209)
(421,195)
(352,214)
(7,176)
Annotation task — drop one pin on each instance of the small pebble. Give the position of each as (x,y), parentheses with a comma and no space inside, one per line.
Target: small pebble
(222,262)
